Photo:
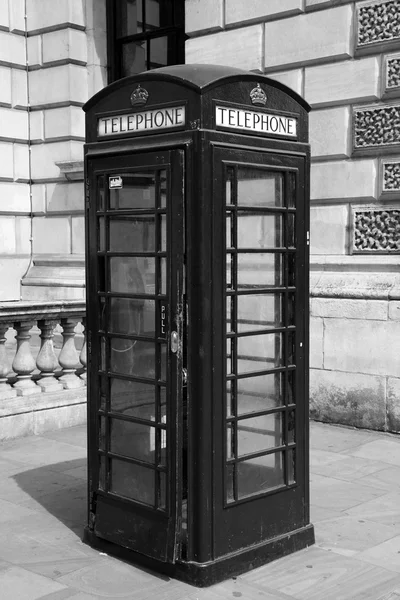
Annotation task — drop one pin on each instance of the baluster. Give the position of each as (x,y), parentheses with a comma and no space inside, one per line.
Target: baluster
(6,391)
(46,360)
(83,354)
(24,363)
(68,357)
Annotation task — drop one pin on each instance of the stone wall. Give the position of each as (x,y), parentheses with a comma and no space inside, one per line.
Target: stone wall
(344,58)
(52,59)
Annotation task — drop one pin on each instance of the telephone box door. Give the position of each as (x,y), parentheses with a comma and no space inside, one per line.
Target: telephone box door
(135,277)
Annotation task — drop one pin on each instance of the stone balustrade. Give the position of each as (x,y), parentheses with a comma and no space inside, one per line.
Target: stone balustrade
(48,352)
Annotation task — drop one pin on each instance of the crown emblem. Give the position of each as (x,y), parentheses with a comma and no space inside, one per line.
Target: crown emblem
(258,96)
(139,96)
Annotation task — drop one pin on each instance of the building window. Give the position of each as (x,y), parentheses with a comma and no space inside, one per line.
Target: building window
(144,35)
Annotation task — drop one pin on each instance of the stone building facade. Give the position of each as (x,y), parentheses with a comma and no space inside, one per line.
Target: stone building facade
(342,56)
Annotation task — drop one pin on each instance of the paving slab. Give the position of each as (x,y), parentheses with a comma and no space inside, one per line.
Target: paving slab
(355,508)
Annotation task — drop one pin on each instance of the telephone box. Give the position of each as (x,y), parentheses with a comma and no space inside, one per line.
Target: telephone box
(197,205)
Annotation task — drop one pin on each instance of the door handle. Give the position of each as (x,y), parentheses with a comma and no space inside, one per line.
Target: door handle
(174,341)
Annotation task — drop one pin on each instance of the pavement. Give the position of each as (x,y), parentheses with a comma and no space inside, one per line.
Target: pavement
(355,508)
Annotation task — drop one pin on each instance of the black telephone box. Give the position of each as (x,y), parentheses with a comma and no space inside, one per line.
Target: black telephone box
(197,205)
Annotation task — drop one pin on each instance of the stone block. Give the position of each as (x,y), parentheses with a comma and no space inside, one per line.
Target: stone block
(316,4)
(203,15)
(11,271)
(45,156)
(344,180)
(344,308)
(38,198)
(7,235)
(21,162)
(15,197)
(309,38)
(22,235)
(37,126)
(13,124)
(51,235)
(78,235)
(19,88)
(64,44)
(316,343)
(4,16)
(394,310)
(59,417)
(293,79)
(12,49)
(330,133)
(237,12)
(351,399)
(393,404)
(35,55)
(65,197)
(37,293)
(54,85)
(240,47)
(329,229)
(343,82)
(49,14)
(6,161)
(16,426)
(5,86)
(355,346)
(17,15)
(68,121)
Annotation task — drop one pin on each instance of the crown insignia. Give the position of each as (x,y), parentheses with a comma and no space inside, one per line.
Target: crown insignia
(139,96)
(258,96)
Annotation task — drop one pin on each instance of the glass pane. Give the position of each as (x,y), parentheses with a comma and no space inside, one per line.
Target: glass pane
(163,189)
(102,472)
(158,14)
(132,357)
(291,266)
(291,193)
(259,433)
(102,313)
(259,231)
(260,352)
(291,458)
(291,426)
(291,398)
(230,484)
(230,440)
(163,276)
(100,193)
(230,317)
(102,354)
(133,440)
(101,242)
(103,385)
(132,398)
(255,394)
(162,486)
(128,315)
(101,273)
(163,233)
(134,58)
(229,230)
(230,345)
(129,18)
(138,191)
(132,235)
(230,405)
(102,433)
(132,481)
(159,51)
(230,261)
(259,475)
(257,187)
(259,270)
(290,231)
(163,366)
(229,185)
(132,275)
(259,311)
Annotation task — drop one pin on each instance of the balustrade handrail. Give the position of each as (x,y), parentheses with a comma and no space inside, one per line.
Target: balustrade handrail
(26,311)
